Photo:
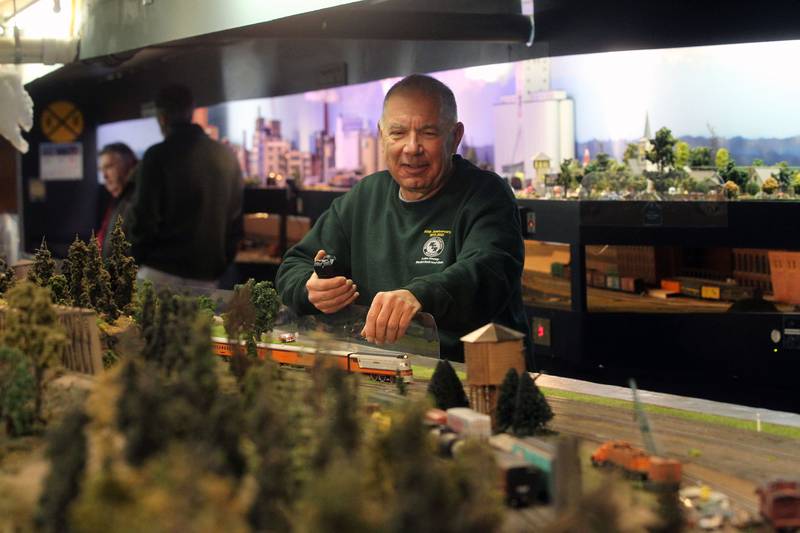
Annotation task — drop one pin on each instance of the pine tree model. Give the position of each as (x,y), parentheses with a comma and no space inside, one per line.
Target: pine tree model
(72,268)
(7,277)
(446,388)
(99,282)
(531,411)
(121,268)
(67,453)
(507,400)
(43,266)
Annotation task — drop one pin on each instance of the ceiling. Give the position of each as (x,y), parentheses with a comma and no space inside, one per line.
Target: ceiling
(369,40)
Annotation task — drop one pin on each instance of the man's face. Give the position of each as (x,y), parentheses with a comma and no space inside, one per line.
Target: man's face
(115,172)
(417,143)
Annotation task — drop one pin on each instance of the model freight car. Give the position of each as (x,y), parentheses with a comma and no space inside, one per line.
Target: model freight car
(779,504)
(522,483)
(468,422)
(707,289)
(657,471)
(601,280)
(538,452)
(381,367)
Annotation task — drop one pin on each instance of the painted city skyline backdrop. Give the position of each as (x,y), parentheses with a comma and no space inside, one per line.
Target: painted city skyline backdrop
(743,94)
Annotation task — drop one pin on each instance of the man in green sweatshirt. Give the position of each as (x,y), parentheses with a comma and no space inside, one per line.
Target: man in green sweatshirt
(433,233)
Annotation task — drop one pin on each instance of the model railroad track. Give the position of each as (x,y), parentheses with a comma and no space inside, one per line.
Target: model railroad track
(664,430)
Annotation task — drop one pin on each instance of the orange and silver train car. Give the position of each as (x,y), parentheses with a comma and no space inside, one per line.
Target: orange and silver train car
(381,367)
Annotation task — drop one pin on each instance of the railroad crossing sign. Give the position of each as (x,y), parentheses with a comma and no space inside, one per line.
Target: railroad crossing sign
(62,122)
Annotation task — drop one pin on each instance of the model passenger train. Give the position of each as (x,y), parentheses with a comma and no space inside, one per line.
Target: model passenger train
(381,367)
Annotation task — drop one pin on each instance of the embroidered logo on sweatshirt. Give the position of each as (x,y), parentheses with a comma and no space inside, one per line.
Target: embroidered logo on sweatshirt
(433,247)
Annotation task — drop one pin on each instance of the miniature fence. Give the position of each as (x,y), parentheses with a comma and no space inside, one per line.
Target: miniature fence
(83,352)
(785,274)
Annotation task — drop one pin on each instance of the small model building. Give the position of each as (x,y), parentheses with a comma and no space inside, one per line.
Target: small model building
(488,353)
(541,165)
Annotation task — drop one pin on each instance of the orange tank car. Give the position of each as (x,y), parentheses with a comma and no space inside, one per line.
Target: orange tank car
(779,503)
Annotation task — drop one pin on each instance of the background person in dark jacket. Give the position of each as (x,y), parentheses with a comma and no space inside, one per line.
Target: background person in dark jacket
(187,212)
(117,163)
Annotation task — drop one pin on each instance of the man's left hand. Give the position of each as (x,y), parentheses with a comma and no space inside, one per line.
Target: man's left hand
(389,316)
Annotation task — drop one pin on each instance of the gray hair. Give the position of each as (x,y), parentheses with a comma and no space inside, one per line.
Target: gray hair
(427,85)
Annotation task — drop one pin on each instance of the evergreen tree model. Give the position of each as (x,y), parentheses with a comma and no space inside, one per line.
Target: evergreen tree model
(72,268)
(17,392)
(67,453)
(446,388)
(99,282)
(146,313)
(7,277)
(140,412)
(531,411)
(59,290)
(121,268)
(507,400)
(178,333)
(43,266)
(270,429)
(341,430)
(266,303)
(32,328)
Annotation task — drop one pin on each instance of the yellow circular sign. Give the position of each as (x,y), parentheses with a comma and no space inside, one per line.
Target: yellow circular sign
(62,122)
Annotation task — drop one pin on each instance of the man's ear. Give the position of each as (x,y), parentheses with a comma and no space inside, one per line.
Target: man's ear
(458,134)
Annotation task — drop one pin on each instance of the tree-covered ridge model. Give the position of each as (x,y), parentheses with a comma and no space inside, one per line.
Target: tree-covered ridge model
(663,167)
(167,442)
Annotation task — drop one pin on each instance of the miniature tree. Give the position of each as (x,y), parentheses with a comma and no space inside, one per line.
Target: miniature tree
(770,185)
(148,305)
(239,321)
(267,303)
(73,268)
(341,431)
(59,289)
(631,152)
(7,277)
(784,175)
(17,391)
(506,400)
(140,412)
(757,163)
(700,157)
(682,154)
(156,337)
(32,327)
(662,153)
(730,173)
(446,388)
(531,411)
(198,376)
(402,388)
(178,332)
(67,453)
(99,281)
(270,429)
(43,266)
(722,158)
(121,268)
(731,190)
(480,505)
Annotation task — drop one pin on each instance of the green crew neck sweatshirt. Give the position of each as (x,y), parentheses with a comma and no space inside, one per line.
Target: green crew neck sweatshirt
(460,252)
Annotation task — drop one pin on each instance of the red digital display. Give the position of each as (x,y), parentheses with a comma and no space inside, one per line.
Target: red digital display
(540,331)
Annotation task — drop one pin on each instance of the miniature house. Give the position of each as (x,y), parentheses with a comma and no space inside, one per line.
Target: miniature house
(488,353)
(541,166)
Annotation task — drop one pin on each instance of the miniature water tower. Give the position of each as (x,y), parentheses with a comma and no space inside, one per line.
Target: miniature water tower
(488,354)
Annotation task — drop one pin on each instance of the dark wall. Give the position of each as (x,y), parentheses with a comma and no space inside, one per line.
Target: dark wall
(69,207)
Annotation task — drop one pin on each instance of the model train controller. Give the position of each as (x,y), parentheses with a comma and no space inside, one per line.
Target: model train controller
(328,268)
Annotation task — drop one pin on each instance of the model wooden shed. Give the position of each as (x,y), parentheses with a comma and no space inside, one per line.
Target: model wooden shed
(490,351)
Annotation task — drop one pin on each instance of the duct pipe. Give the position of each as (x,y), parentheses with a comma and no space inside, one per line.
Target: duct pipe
(47,51)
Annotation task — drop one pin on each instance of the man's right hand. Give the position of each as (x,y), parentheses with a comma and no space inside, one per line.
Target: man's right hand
(330,295)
